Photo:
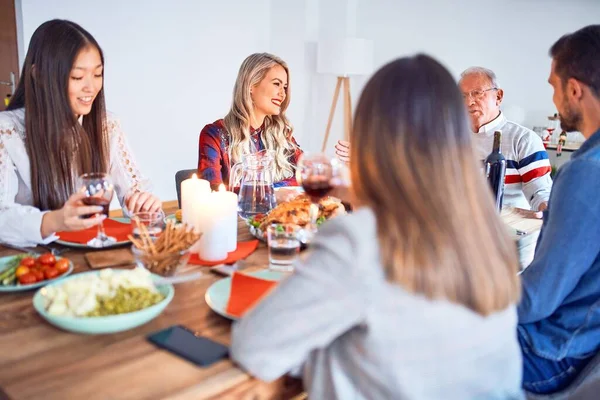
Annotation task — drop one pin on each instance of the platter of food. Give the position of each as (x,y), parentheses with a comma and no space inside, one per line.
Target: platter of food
(29,271)
(105,301)
(297,212)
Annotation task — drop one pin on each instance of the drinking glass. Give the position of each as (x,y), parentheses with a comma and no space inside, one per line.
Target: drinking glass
(99,190)
(284,246)
(318,174)
(153,221)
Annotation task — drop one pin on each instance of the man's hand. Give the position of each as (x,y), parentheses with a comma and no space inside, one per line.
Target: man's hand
(529,213)
(342,151)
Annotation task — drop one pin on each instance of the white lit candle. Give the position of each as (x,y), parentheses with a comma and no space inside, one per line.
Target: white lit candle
(193,190)
(229,201)
(212,221)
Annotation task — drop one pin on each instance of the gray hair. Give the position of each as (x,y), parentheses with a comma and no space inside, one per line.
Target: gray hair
(481,71)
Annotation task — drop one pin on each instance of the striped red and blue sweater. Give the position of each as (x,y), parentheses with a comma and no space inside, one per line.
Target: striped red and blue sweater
(528,181)
(214,164)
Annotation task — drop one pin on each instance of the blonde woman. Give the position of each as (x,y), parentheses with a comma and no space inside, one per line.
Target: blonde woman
(413,295)
(255,122)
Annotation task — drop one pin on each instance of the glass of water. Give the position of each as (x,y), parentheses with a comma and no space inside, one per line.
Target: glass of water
(284,246)
(153,221)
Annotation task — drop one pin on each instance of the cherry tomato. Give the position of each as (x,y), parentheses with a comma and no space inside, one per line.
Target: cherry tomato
(51,273)
(27,279)
(21,270)
(39,275)
(47,259)
(62,265)
(28,261)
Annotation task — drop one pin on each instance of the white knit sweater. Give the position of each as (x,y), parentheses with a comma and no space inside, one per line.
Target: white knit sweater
(20,221)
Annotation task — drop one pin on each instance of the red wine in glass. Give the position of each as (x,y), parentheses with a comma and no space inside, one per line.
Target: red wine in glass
(98,189)
(317,187)
(96,201)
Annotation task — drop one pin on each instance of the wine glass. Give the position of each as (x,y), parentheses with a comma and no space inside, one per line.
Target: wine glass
(99,189)
(318,174)
(553,123)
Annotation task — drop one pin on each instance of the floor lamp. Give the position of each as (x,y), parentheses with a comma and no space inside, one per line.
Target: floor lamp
(343,57)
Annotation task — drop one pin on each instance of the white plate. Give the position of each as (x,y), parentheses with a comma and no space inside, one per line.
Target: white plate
(298,189)
(85,246)
(217,295)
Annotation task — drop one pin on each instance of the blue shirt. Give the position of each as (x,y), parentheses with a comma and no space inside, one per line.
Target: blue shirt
(559,314)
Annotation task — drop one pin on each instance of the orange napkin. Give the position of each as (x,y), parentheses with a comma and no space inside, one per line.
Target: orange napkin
(116,229)
(244,249)
(246,291)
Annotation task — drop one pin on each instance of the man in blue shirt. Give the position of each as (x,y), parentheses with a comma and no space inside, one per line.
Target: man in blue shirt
(559,314)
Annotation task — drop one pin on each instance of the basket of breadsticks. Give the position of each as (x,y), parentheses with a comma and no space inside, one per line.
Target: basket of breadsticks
(162,255)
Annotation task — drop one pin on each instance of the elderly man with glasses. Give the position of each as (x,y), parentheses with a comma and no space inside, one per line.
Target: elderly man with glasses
(528,181)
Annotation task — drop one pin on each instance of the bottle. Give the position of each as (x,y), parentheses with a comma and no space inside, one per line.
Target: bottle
(495,170)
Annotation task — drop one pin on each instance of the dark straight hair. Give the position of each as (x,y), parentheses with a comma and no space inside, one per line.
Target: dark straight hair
(59,148)
(577,55)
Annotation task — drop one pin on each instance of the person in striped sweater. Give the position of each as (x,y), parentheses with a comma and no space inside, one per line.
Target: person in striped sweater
(528,181)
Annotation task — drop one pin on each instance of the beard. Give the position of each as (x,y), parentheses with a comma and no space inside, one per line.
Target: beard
(570,119)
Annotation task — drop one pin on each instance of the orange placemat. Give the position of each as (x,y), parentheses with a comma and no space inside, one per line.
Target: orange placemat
(244,249)
(116,229)
(247,291)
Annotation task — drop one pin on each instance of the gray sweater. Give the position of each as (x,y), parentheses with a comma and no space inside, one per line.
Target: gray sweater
(353,335)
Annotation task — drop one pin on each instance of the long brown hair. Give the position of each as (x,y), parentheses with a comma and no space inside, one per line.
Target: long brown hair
(277,128)
(413,164)
(59,148)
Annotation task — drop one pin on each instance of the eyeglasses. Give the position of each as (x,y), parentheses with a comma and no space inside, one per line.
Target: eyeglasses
(477,94)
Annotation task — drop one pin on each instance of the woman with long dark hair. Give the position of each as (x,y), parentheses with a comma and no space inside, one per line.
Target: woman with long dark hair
(55,129)
(413,295)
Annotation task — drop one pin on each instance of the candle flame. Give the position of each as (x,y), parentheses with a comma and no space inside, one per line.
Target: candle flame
(221,188)
(194,176)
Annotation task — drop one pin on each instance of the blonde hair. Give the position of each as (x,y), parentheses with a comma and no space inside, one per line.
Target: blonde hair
(413,164)
(277,129)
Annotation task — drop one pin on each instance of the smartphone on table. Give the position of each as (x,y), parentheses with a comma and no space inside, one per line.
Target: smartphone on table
(187,344)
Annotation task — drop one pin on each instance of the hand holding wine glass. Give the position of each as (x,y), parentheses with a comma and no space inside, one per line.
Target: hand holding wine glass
(318,174)
(69,217)
(98,190)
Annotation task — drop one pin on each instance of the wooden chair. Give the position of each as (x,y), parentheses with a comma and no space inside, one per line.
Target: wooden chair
(180,176)
(586,384)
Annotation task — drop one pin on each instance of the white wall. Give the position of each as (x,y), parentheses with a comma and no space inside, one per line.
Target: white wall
(512,37)
(171,65)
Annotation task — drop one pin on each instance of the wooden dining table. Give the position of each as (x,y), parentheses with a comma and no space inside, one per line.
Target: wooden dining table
(40,361)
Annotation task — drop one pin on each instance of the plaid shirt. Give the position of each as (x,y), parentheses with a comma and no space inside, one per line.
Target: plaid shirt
(213,158)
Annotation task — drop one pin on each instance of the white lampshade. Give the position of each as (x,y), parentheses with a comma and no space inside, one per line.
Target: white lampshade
(345,56)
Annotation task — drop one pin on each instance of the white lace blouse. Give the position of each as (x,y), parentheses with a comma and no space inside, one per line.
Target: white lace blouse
(20,221)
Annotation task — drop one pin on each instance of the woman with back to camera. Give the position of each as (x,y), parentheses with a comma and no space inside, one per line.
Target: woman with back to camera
(413,295)
(55,129)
